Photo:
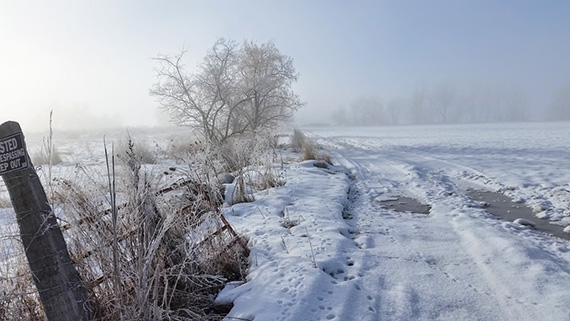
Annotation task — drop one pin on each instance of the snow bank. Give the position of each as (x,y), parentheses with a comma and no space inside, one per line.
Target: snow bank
(297,235)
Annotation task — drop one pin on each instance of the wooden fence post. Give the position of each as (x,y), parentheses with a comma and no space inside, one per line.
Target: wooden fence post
(59,285)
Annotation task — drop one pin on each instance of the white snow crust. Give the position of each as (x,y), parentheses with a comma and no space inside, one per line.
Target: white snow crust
(457,263)
(323,248)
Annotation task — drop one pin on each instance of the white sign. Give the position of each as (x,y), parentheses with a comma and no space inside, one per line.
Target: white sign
(13,154)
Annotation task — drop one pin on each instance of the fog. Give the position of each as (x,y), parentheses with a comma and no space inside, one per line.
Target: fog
(449,103)
(364,63)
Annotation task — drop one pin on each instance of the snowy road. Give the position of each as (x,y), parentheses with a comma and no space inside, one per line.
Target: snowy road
(352,259)
(458,263)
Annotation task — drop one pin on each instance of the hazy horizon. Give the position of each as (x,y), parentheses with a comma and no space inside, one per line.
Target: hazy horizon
(91,62)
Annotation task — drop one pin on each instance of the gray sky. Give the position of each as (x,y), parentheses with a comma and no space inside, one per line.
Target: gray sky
(90,62)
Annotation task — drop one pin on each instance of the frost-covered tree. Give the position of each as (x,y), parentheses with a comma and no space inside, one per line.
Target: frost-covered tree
(368,111)
(516,106)
(266,77)
(442,100)
(208,100)
(394,109)
(236,89)
(339,116)
(418,106)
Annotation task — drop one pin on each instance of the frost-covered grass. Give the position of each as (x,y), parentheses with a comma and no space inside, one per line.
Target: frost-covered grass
(309,150)
(168,254)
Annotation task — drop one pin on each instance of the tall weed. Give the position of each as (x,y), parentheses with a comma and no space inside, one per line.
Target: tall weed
(143,252)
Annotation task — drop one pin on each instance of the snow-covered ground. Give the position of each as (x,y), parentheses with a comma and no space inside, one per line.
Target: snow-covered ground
(323,248)
(526,161)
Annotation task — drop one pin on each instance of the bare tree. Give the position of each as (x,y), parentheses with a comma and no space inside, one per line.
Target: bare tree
(418,105)
(516,106)
(394,109)
(442,100)
(267,77)
(368,111)
(340,117)
(206,101)
(235,90)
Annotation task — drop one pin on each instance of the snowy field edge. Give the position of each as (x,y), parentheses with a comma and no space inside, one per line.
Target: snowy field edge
(297,235)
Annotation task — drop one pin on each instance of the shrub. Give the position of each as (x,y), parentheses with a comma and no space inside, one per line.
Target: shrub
(47,153)
(139,150)
(143,253)
(45,156)
(20,300)
(159,261)
(297,140)
(323,156)
(310,151)
(181,146)
(252,159)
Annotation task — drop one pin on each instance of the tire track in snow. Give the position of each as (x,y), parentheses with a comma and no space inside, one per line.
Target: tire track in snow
(426,177)
(402,298)
(514,268)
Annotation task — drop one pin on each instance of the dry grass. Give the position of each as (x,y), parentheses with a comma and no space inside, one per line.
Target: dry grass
(154,256)
(19,299)
(5,200)
(45,156)
(139,150)
(252,160)
(298,140)
(144,254)
(308,149)
(326,157)
(180,146)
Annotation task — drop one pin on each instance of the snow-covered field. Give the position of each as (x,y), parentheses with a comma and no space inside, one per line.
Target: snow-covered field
(457,263)
(323,248)
(528,161)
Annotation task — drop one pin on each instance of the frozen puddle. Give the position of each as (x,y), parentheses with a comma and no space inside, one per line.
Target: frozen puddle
(502,206)
(402,204)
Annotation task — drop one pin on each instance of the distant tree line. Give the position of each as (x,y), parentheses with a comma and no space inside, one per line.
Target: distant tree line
(445,104)
(559,106)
